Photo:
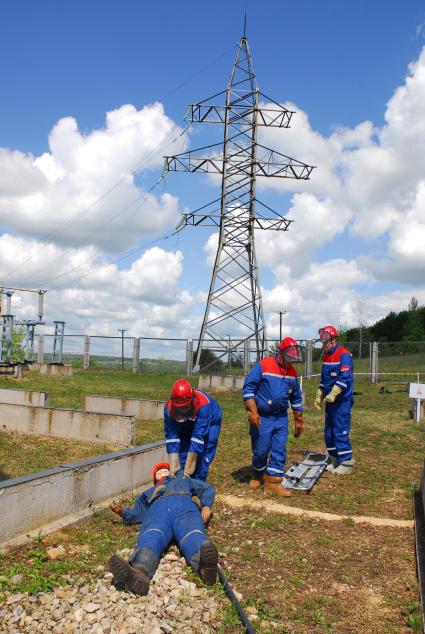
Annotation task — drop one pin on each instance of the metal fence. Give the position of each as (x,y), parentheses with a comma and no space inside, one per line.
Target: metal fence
(373,361)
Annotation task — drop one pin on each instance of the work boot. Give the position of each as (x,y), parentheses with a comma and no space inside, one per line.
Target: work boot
(274,485)
(256,480)
(332,465)
(344,468)
(208,560)
(133,578)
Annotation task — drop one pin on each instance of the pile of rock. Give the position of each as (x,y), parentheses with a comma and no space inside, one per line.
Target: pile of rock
(174,605)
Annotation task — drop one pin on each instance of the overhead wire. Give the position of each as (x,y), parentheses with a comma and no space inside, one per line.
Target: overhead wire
(137,167)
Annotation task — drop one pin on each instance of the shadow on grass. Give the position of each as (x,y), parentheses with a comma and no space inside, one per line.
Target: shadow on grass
(242,475)
(3,474)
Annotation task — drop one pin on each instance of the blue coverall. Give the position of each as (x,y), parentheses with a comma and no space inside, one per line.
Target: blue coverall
(166,511)
(198,434)
(337,369)
(275,388)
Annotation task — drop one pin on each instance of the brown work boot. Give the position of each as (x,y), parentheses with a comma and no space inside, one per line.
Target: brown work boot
(133,578)
(274,485)
(256,480)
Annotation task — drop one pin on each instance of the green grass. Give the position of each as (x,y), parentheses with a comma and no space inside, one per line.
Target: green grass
(286,567)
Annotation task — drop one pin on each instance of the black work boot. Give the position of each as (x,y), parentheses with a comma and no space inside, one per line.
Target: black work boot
(208,560)
(133,578)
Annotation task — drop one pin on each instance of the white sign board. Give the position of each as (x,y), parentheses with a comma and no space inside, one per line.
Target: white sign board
(417,390)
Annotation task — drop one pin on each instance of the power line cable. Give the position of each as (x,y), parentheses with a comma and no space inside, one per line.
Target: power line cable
(134,169)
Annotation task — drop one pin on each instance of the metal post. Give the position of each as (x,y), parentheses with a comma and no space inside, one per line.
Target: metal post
(8,310)
(136,355)
(40,304)
(246,356)
(86,352)
(229,358)
(122,331)
(189,357)
(375,362)
(308,370)
(6,339)
(40,349)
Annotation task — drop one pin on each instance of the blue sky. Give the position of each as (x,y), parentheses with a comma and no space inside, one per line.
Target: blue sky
(340,63)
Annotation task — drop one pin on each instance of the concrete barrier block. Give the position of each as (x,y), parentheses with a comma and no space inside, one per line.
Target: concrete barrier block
(204,381)
(67,423)
(30,502)
(145,409)
(218,382)
(56,370)
(23,397)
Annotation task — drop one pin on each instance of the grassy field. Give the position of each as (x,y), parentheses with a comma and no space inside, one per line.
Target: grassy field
(301,575)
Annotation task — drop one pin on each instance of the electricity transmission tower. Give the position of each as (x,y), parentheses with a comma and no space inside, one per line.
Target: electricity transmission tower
(234,301)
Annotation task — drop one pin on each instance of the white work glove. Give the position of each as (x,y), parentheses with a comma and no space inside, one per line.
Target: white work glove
(319,399)
(330,398)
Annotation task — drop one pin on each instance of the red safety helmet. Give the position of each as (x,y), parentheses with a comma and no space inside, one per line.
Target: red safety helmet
(158,467)
(328,332)
(182,392)
(291,350)
(182,400)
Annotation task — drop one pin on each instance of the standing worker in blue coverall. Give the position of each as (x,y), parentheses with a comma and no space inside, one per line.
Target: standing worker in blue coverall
(269,390)
(192,423)
(336,391)
(166,511)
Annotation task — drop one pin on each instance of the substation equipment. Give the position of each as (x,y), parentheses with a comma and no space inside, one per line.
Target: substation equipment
(8,322)
(234,302)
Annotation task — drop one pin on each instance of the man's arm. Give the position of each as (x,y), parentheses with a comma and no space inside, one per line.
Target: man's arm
(134,515)
(345,375)
(204,491)
(172,441)
(249,390)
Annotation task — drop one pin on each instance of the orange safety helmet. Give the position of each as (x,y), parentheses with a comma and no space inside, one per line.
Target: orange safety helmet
(291,350)
(158,467)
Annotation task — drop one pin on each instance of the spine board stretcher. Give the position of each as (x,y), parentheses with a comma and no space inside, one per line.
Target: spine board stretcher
(302,476)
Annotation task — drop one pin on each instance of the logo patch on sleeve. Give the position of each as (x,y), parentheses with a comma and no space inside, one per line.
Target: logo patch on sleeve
(345,368)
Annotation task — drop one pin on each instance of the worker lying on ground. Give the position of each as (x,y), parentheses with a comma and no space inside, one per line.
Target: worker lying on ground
(167,511)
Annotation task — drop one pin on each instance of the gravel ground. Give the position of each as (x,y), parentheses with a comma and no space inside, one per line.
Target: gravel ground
(174,605)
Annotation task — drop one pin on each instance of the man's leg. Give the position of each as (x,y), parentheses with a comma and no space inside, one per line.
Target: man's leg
(189,533)
(154,537)
(329,436)
(342,423)
(276,467)
(205,459)
(260,443)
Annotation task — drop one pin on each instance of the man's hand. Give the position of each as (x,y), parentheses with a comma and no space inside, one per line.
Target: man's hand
(330,398)
(319,399)
(117,507)
(190,464)
(206,514)
(298,419)
(254,419)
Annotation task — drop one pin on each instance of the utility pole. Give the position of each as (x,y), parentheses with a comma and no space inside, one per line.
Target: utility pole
(234,300)
(280,313)
(122,331)
(360,307)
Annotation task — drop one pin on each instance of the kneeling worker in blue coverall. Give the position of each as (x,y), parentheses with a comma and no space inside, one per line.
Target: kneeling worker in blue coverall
(166,512)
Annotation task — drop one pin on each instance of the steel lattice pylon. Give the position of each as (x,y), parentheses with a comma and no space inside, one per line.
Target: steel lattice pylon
(234,307)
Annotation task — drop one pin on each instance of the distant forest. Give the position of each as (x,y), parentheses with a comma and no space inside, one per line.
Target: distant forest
(407,325)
